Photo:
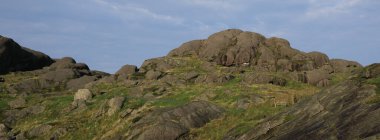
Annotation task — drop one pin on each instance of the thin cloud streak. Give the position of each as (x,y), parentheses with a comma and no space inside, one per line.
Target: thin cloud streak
(323,8)
(134,12)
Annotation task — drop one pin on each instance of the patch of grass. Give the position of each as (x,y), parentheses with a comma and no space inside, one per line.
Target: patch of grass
(52,113)
(339,77)
(376,82)
(177,99)
(4,99)
(135,103)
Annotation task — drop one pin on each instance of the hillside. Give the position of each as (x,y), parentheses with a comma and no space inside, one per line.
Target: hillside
(233,85)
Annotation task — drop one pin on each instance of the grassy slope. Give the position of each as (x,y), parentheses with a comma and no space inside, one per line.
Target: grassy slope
(83,125)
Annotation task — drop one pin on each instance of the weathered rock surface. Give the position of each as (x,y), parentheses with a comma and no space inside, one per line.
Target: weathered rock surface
(13,57)
(127,69)
(339,112)
(341,65)
(39,131)
(17,103)
(238,48)
(115,104)
(372,71)
(4,132)
(83,94)
(171,124)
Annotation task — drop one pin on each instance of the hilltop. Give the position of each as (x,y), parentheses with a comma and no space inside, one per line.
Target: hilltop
(233,85)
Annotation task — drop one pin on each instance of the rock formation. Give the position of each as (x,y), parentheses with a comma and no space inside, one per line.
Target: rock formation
(13,57)
(233,85)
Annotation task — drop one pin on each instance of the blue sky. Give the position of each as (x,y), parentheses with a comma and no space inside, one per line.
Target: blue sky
(107,34)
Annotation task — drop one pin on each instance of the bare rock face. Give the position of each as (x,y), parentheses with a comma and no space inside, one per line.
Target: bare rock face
(3,132)
(341,65)
(319,59)
(171,124)
(115,105)
(127,70)
(17,103)
(153,75)
(238,48)
(343,111)
(13,57)
(372,71)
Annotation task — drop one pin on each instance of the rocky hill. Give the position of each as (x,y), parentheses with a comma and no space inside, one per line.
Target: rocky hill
(232,85)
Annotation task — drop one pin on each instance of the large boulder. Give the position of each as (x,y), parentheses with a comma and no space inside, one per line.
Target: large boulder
(61,75)
(341,65)
(319,59)
(153,75)
(159,64)
(83,94)
(231,47)
(127,70)
(63,63)
(115,104)
(78,83)
(190,48)
(13,57)
(316,77)
(171,124)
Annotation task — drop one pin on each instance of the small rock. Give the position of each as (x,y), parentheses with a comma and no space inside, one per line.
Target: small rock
(115,105)
(58,133)
(35,109)
(191,75)
(2,79)
(243,103)
(153,75)
(17,103)
(3,131)
(21,136)
(78,104)
(125,113)
(40,130)
(83,94)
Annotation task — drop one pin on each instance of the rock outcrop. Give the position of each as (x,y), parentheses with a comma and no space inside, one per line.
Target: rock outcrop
(170,124)
(344,111)
(13,57)
(236,48)
(236,84)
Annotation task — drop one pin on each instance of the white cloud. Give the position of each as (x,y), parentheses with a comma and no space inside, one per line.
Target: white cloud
(215,4)
(325,8)
(135,12)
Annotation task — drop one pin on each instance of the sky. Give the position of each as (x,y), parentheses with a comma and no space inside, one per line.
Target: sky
(107,34)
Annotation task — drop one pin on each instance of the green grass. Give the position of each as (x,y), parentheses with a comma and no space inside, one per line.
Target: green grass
(376,82)
(177,99)
(4,99)
(339,77)
(135,103)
